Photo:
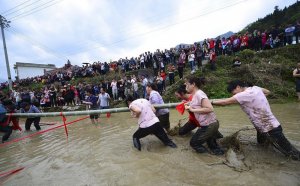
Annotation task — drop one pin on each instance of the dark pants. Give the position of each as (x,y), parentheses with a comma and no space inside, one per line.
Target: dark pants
(35,121)
(7,132)
(189,126)
(206,134)
(155,129)
(213,65)
(186,128)
(278,140)
(53,101)
(180,72)
(171,78)
(164,121)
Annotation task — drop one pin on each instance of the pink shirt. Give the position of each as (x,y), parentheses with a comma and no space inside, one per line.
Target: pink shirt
(203,119)
(147,117)
(255,104)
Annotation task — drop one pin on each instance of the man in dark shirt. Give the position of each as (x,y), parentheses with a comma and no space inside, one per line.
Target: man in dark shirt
(91,101)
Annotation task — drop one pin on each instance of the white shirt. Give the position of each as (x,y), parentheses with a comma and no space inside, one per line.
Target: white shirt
(104,99)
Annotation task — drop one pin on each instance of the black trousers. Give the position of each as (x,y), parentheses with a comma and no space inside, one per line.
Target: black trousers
(180,72)
(186,128)
(35,121)
(7,132)
(164,121)
(206,134)
(155,129)
(279,141)
(171,78)
(189,126)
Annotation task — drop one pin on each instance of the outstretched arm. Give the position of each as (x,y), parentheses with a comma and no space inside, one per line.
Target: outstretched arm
(223,102)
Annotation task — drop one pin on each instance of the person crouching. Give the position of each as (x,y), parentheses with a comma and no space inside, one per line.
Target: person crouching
(147,121)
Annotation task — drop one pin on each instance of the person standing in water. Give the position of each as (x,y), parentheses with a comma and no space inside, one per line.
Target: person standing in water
(204,114)
(192,123)
(91,101)
(254,103)
(29,108)
(147,121)
(155,98)
(103,100)
(296,74)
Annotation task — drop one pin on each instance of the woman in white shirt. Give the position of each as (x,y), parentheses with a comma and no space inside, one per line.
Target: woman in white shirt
(147,121)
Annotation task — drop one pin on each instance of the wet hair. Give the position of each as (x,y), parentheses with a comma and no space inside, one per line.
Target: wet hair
(199,82)
(181,90)
(129,98)
(153,86)
(233,84)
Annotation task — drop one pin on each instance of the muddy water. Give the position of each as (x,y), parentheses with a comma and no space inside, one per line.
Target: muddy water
(103,154)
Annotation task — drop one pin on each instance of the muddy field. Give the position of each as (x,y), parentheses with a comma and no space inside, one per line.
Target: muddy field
(103,154)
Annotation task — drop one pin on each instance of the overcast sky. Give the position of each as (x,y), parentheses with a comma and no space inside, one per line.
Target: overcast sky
(52,31)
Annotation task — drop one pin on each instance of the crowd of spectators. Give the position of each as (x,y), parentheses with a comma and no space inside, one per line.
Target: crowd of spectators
(58,91)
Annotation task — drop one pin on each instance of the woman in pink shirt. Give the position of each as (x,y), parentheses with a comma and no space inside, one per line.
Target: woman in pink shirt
(254,103)
(204,114)
(147,121)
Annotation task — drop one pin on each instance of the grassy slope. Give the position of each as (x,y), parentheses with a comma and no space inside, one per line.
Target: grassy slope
(271,69)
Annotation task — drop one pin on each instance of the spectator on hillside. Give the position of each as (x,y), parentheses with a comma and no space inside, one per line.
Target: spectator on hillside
(171,73)
(289,32)
(191,59)
(180,64)
(144,85)
(114,88)
(212,60)
(236,62)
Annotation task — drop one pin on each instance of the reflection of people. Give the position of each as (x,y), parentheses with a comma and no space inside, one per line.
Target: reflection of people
(147,121)
(204,114)
(29,108)
(296,74)
(254,103)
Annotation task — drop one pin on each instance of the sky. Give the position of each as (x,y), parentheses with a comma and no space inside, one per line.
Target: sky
(53,31)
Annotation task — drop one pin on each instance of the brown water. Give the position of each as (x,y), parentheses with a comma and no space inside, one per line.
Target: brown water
(104,155)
